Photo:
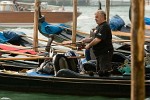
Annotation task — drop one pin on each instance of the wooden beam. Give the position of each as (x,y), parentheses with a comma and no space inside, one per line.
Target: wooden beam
(107,9)
(69,46)
(137,50)
(36,17)
(33,58)
(24,58)
(119,33)
(74,21)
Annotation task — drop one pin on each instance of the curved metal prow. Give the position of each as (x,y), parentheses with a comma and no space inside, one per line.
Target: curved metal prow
(100,5)
(40,15)
(130,13)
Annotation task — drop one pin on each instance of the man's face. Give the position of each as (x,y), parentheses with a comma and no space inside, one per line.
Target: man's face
(98,18)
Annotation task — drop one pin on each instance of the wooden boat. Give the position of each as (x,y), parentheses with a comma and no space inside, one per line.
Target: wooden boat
(22,76)
(9,14)
(65,82)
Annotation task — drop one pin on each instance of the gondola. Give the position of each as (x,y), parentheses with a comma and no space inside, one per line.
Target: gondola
(118,24)
(70,82)
(115,86)
(67,81)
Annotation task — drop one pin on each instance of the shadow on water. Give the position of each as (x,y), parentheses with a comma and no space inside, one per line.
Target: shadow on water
(9,95)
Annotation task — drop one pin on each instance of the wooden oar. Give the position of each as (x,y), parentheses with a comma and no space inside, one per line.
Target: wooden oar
(118,33)
(24,58)
(117,40)
(69,46)
(33,58)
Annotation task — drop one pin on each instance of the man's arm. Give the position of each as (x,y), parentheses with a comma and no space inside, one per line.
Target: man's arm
(87,40)
(92,43)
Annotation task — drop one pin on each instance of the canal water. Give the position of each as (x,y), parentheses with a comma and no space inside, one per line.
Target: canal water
(85,23)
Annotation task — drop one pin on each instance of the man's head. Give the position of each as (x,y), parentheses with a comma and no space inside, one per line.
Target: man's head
(100,16)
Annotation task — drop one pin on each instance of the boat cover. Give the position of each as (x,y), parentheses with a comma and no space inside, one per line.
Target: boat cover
(10,36)
(116,23)
(49,29)
(147,20)
(3,39)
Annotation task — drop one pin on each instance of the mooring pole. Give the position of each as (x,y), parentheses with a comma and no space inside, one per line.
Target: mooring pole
(36,17)
(107,9)
(137,50)
(74,21)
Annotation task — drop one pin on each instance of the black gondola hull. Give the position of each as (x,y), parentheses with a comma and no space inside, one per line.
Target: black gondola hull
(114,87)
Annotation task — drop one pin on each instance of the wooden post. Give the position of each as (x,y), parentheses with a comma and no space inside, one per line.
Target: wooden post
(107,9)
(74,21)
(36,17)
(137,49)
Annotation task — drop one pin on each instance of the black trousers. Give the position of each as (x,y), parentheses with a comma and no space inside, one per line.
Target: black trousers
(104,62)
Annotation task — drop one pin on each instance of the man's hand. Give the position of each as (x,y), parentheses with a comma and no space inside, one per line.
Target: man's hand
(87,46)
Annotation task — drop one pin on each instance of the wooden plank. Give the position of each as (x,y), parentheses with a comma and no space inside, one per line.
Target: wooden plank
(119,33)
(74,21)
(69,46)
(117,40)
(34,58)
(107,9)
(24,58)
(36,17)
(137,50)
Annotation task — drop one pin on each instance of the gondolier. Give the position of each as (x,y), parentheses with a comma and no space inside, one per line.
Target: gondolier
(101,44)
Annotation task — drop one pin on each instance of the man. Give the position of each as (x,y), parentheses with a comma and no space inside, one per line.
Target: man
(101,44)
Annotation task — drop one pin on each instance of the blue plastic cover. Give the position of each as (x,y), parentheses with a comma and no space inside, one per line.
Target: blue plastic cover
(47,28)
(2,38)
(116,23)
(7,36)
(147,20)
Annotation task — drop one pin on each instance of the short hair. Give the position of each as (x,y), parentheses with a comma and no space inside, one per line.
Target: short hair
(102,13)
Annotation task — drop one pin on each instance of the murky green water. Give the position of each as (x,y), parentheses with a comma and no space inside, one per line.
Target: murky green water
(8,95)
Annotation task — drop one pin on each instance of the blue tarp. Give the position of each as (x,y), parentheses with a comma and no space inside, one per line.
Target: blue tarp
(47,28)
(116,23)
(9,36)
(147,20)
(3,39)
